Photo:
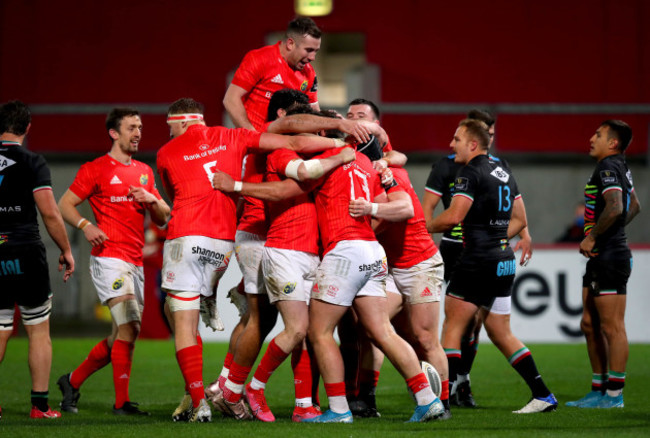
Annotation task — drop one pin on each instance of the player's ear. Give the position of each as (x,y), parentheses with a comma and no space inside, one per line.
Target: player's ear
(113,134)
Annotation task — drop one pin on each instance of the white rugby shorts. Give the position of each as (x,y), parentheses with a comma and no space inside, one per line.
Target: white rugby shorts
(501,306)
(194,264)
(353,268)
(114,278)
(421,283)
(249,248)
(288,274)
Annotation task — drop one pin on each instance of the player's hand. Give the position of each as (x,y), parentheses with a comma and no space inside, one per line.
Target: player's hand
(347,155)
(222,181)
(141,195)
(357,129)
(94,235)
(587,247)
(66,259)
(359,207)
(380,164)
(386,176)
(526,246)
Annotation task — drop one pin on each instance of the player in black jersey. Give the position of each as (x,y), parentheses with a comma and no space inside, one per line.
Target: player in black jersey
(25,186)
(610,204)
(439,186)
(487,201)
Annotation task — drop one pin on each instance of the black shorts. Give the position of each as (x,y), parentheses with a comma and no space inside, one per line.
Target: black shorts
(607,277)
(24,276)
(481,282)
(450,252)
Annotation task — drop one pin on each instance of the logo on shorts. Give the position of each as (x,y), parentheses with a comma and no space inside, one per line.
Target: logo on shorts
(117,284)
(170,277)
(504,269)
(374,266)
(144,179)
(332,291)
(207,256)
(289,288)
(315,288)
(426,292)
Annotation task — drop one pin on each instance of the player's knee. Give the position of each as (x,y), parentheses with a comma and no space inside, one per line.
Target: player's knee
(127,316)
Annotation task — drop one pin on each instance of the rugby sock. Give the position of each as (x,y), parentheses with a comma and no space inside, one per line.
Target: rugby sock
(336,397)
(315,376)
(121,358)
(350,355)
(419,386)
(453,360)
(98,358)
(468,350)
(39,399)
(368,386)
(615,384)
(272,359)
(190,360)
(444,393)
(227,362)
(235,384)
(599,382)
(522,361)
(301,365)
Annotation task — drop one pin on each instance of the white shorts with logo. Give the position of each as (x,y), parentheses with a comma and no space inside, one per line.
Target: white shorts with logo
(288,274)
(114,277)
(249,248)
(421,283)
(194,264)
(353,268)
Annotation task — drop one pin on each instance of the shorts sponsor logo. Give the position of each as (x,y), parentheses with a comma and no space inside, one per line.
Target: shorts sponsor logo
(506,268)
(289,288)
(207,256)
(500,174)
(170,277)
(426,292)
(10,267)
(376,265)
(332,291)
(144,179)
(117,284)
(608,177)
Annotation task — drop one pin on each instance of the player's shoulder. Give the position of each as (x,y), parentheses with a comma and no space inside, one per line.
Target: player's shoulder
(140,165)
(262,54)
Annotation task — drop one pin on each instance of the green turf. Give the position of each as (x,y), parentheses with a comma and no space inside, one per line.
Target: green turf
(157,384)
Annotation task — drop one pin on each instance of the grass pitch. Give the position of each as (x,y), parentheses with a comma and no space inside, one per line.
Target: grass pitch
(156,383)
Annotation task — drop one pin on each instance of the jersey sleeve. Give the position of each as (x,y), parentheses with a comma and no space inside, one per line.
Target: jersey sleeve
(84,183)
(249,72)
(152,184)
(42,176)
(466,183)
(436,181)
(278,160)
(608,178)
(312,93)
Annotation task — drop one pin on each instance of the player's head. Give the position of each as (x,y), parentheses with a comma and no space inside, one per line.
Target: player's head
(470,139)
(15,118)
(363,109)
(182,114)
(485,117)
(618,134)
(302,42)
(282,100)
(125,129)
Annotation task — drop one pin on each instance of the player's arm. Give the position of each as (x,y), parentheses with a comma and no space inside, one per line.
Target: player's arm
(525,243)
(429,202)
(391,158)
(303,123)
(55,227)
(518,219)
(452,216)
(613,209)
(315,168)
(68,207)
(267,191)
(635,208)
(396,207)
(234,105)
(158,208)
(298,143)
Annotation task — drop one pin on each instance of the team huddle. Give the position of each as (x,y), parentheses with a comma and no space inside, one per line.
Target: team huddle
(328,233)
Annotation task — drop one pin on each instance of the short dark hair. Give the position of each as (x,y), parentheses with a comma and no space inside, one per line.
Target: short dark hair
(116,115)
(621,131)
(478,131)
(283,99)
(15,117)
(483,115)
(185,105)
(301,26)
(362,101)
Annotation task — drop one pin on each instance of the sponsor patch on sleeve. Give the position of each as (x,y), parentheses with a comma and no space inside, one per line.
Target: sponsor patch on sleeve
(608,177)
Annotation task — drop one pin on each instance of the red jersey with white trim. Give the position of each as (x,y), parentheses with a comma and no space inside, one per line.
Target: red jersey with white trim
(187,164)
(264,71)
(407,243)
(353,180)
(293,222)
(105,183)
(253,218)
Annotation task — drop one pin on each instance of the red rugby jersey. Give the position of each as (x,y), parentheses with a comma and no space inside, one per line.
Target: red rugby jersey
(407,243)
(105,183)
(293,223)
(186,165)
(262,72)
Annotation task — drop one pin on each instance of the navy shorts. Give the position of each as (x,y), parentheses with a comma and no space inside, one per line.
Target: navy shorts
(24,276)
(450,252)
(480,283)
(607,277)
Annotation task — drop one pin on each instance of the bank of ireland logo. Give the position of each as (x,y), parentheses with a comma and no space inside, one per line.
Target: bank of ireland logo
(289,288)
(144,179)
(117,284)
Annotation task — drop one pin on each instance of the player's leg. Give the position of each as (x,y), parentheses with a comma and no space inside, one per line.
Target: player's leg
(461,393)
(611,309)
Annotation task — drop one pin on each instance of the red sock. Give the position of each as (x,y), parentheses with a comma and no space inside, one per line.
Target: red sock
(335,389)
(199,340)
(190,360)
(301,365)
(236,378)
(272,359)
(121,357)
(444,393)
(417,383)
(98,358)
